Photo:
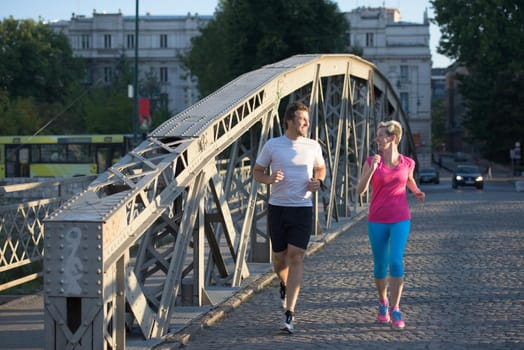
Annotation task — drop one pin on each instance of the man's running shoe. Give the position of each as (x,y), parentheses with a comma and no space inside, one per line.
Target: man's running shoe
(383,313)
(397,322)
(289,317)
(283,298)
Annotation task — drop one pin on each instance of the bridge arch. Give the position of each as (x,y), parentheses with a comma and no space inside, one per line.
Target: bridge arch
(182,210)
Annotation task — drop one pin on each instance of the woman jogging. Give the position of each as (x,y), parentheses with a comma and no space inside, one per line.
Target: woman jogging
(389,218)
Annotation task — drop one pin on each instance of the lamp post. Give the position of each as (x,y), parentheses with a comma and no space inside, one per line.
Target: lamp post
(135,84)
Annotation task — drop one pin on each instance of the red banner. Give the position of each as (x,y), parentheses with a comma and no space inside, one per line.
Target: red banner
(144,113)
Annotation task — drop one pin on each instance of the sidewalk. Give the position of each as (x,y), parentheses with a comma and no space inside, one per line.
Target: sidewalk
(22,319)
(464,289)
(464,286)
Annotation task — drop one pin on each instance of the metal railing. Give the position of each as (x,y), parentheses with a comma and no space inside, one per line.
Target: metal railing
(24,206)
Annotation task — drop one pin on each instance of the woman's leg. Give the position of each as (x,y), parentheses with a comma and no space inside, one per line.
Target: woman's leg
(378,239)
(398,240)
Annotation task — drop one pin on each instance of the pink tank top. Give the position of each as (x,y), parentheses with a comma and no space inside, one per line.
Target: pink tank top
(389,203)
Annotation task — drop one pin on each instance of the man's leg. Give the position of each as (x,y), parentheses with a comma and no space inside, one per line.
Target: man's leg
(295,272)
(279,246)
(280,266)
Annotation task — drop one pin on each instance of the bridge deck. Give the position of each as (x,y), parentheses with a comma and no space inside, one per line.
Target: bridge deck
(22,318)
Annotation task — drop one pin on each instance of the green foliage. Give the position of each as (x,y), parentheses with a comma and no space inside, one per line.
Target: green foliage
(35,61)
(108,110)
(247,34)
(438,122)
(38,75)
(499,107)
(487,37)
(159,116)
(19,116)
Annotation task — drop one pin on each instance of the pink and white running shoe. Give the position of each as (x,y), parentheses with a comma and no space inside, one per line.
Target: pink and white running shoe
(383,314)
(397,322)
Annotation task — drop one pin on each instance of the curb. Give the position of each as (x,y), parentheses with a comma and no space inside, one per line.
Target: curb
(182,337)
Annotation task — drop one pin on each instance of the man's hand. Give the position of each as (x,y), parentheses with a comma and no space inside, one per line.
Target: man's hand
(314,185)
(277,176)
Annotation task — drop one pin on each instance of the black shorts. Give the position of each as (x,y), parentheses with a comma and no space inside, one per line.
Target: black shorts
(289,225)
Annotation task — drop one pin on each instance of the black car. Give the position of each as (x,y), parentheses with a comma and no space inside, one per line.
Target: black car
(467,175)
(428,175)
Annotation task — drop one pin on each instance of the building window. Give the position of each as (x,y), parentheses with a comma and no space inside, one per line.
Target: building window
(108,74)
(370,40)
(404,102)
(107,41)
(130,41)
(164,101)
(85,41)
(163,74)
(404,74)
(163,41)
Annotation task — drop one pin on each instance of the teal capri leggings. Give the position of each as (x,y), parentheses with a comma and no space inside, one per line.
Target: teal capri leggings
(388,242)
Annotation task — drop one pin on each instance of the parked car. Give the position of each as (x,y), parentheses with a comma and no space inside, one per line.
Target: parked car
(428,175)
(467,175)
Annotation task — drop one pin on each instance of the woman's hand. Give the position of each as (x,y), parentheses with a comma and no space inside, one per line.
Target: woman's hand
(420,196)
(375,161)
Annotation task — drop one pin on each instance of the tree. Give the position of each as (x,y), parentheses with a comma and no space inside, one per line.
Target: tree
(487,37)
(19,116)
(38,75)
(36,62)
(247,34)
(438,123)
(107,109)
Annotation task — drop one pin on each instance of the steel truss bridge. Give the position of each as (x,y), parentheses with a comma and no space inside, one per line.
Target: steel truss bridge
(183,208)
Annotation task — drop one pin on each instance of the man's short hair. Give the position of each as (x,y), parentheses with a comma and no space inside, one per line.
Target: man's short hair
(291,109)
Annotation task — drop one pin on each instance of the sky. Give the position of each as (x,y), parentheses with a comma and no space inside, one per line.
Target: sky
(49,10)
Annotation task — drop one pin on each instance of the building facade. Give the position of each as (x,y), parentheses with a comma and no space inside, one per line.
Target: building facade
(401,51)
(438,101)
(105,38)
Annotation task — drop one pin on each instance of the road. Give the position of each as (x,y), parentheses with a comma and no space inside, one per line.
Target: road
(464,284)
(464,288)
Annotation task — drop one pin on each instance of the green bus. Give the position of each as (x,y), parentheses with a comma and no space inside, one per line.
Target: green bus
(60,155)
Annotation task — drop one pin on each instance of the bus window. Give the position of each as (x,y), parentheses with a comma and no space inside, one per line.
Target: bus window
(17,161)
(117,154)
(23,158)
(11,161)
(78,153)
(2,161)
(103,159)
(49,153)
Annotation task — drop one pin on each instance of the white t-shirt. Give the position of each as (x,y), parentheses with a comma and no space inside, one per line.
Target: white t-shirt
(296,159)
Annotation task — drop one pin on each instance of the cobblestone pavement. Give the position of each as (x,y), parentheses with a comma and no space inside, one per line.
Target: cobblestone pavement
(464,285)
